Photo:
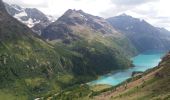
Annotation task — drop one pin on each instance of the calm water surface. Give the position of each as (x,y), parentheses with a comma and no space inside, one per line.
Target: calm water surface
(142,62)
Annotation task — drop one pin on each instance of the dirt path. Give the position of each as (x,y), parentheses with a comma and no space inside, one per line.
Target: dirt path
(125,88)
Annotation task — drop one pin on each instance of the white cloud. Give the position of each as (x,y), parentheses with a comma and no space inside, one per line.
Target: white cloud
(29,3)
(90,6)
(131,2)
(154,11)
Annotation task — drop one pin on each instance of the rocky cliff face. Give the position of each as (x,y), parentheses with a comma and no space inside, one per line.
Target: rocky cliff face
(143,35)
(32,17)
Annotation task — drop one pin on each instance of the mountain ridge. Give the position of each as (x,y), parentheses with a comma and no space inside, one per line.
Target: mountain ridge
(78,17)
(143,35)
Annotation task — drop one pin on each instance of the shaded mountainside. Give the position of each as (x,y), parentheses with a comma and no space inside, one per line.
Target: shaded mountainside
(151,85)
(143,35)
(30,67)
(92,37)
(102,48)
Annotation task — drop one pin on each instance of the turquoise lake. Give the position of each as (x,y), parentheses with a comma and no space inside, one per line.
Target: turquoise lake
(142,62)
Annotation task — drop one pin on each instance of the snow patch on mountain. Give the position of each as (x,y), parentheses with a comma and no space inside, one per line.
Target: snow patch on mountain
(51,18)
(30,22)
(29,16)
(20,15)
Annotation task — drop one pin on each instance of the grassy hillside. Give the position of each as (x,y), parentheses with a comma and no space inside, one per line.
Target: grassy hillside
(99,54)
(152,85)
(31,68)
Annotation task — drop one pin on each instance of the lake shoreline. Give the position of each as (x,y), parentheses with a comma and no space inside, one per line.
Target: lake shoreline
(142,62)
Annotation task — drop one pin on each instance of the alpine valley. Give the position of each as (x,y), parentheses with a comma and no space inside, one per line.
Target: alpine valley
(48,58)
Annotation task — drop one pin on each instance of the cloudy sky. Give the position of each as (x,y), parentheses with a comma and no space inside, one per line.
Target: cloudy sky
(155,12)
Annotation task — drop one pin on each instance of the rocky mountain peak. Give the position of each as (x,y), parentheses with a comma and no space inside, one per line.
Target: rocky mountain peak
(77,21)
(80,13)
(73,11)
(16,6)
(69,11)
(78,17)
(123,14)
(26,15)
(32,17)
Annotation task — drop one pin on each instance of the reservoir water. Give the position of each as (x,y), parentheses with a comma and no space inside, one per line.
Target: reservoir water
(142,62)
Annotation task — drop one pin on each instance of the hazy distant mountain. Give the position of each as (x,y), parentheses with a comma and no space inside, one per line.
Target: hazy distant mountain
(143,35)
(31,17)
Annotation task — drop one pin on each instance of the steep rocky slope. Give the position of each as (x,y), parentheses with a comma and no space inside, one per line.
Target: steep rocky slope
(31,17)
(74,22)
(102,47)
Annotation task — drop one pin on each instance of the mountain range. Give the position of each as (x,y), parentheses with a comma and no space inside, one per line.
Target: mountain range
(40,57)
(31,67)
(142,35)
(91,36)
